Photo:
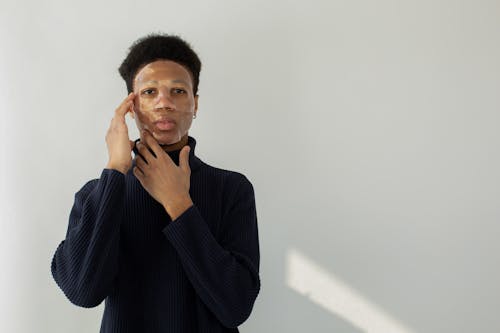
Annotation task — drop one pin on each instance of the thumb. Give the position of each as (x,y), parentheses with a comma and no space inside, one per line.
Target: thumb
(184,158)
(132,144)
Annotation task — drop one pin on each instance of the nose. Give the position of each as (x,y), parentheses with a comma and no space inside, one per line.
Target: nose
(164,100)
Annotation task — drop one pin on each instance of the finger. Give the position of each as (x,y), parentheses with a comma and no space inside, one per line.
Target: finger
(145,153)
(152,143)
(138,173)
(132,144)
(141,163)
(125,106)
(184,158)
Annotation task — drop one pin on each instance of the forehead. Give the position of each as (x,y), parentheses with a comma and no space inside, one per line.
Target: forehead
(163,70)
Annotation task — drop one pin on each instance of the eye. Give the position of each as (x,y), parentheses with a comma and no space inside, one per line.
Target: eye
(179,91)
(148,91)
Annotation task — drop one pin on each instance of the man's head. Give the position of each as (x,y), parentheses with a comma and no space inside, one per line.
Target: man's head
(163,72)
(160,47)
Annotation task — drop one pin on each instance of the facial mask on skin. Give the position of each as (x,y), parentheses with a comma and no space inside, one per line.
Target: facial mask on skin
(163,127)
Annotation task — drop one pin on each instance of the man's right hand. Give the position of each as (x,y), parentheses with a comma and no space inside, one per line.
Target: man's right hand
(119,145)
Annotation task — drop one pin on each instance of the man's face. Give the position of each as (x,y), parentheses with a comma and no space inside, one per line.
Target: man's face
(164,102)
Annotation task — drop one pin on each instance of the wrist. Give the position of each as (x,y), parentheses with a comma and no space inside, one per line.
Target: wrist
(117,167)
(178,207)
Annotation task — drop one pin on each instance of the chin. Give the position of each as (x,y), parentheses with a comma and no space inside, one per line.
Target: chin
(167,138)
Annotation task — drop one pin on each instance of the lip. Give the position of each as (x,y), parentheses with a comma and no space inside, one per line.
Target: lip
(164,120)
(164,124)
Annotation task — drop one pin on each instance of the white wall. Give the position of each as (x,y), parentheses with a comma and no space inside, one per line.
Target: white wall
(368,128)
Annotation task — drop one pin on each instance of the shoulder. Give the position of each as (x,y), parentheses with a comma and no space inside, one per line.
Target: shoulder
(234,184)
(85,190)
(107,176)
(229,177)
(107,181)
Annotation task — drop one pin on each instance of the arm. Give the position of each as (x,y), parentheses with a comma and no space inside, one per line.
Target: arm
(225,273)
(86,263)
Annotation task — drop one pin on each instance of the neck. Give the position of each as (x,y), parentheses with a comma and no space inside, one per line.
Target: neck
(177,145)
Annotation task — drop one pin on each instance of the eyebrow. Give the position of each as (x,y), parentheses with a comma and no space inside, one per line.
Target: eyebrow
(173,81)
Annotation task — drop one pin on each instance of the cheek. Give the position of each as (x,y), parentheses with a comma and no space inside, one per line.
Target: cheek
(146,104)
(185,121)
(142,120)
(142,117)
(188,107)
(187,114)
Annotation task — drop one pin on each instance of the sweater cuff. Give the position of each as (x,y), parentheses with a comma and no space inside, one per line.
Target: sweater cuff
(187,217)
(111,173)
(191,235)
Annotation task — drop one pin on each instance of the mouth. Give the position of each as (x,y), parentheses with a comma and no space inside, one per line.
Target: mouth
(164,124)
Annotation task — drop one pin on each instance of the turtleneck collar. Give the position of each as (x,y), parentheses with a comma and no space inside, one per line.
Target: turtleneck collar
(194,161)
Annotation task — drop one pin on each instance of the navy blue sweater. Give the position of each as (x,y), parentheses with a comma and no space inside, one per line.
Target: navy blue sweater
(198,273)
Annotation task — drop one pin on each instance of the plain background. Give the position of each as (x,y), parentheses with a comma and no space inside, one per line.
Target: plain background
(369,130)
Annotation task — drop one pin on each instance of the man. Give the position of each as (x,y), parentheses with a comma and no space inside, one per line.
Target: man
(168,241)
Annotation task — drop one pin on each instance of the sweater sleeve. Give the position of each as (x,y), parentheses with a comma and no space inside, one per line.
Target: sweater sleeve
(85,264)
(224,273)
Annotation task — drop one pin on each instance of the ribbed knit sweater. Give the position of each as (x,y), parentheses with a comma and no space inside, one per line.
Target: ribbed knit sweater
(198,273)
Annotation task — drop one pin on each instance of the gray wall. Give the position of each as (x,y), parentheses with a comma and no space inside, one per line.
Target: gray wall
(368,128)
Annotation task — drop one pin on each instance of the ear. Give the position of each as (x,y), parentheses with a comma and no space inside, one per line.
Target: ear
(196,104)
(132,110)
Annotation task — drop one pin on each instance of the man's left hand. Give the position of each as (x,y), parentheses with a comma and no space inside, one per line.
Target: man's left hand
(166,182)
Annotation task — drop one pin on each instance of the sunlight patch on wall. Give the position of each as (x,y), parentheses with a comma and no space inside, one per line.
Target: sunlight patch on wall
(309,279)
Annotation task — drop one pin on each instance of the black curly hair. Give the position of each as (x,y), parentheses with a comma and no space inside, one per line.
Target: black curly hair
(159,47)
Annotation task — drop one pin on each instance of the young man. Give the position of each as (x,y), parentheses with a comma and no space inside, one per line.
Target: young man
(168,241)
